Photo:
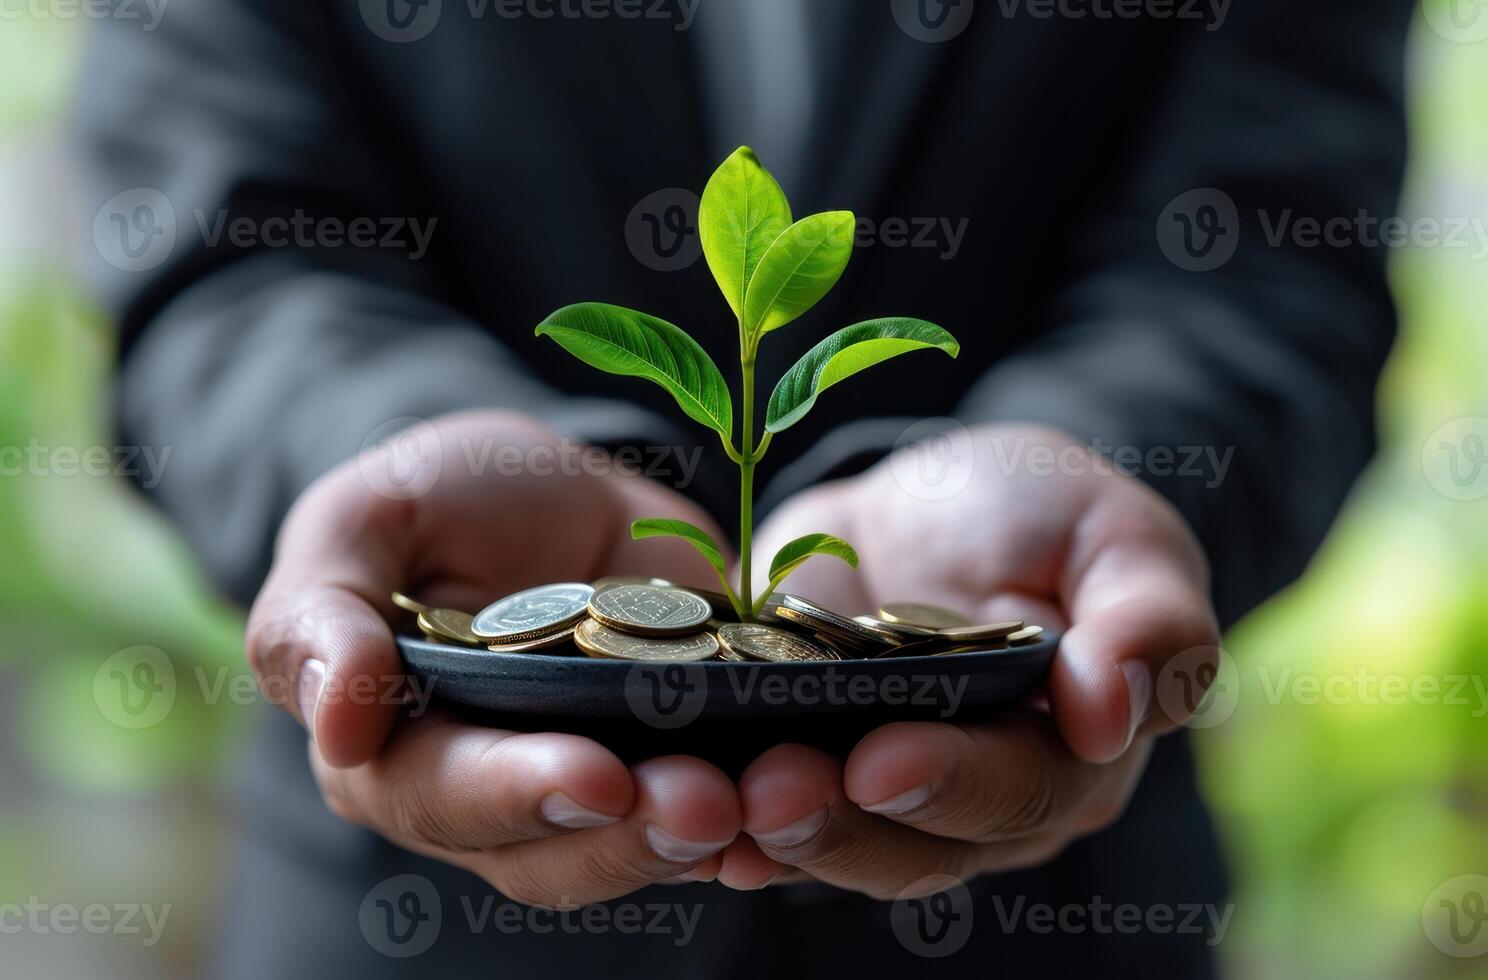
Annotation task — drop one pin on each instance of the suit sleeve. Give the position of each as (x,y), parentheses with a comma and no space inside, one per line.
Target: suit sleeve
(1264,348)
(259,362)
(1228,316)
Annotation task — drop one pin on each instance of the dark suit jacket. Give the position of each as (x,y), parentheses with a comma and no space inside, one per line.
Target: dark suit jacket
(1061,142)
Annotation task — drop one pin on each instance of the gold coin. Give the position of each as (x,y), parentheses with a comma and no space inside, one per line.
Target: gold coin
(450,625)
(756,641)
(1029,634)
(981,634)
(541,643)
(724,653)
(599,640)
(845,650)
(923,614)
(804,612)
(650,611)
(903,632)
(722,607)
(412,605)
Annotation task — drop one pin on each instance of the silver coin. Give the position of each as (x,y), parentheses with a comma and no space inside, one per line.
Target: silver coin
(650,611)
(533,613)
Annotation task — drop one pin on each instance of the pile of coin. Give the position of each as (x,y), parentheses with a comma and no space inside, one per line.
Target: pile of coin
(653,620)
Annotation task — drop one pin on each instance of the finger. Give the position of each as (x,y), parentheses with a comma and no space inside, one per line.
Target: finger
(686,812)
(1137,590)
(986,783)
(445,788)
(317,636)
(746,868)
(798,815)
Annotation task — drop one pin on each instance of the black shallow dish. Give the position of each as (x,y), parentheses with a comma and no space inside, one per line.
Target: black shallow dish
(726,712)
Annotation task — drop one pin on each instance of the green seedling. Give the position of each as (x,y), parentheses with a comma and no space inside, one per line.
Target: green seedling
(771,269)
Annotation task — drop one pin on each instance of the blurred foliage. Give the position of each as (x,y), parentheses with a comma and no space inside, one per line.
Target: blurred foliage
(1340,818)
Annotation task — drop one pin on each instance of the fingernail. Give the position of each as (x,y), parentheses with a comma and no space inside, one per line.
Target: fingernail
(687,877)
(671,848)
(903,803)
(795,834)
(1139,691)
(308,690)
(560,810)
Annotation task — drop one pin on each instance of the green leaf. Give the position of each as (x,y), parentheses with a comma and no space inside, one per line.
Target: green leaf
(797,551)
(665,527)
(628,342)
(743,210)
(798,269)
(845,353)
(662,527)
(792,554)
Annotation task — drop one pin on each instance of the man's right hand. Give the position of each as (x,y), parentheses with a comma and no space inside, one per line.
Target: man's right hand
(546,818)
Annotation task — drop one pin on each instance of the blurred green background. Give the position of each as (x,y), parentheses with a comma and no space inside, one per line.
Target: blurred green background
(1341,816)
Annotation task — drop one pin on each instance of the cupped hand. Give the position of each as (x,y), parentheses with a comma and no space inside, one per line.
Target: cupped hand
(1070,545)
(546,818)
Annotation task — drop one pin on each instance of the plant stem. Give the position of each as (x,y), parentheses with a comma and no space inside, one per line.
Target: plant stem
(746,489)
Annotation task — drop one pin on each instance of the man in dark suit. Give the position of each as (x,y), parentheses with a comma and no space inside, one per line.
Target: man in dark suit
(318,218)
